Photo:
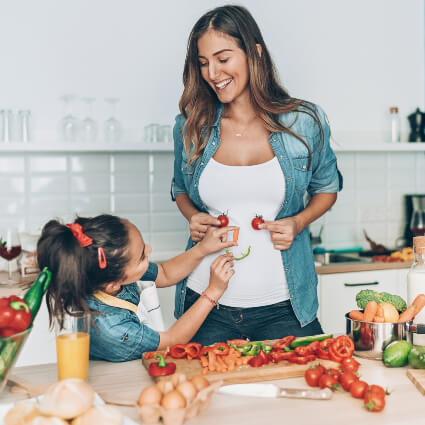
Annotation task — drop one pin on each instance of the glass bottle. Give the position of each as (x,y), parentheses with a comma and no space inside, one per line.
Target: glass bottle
(416,275)
(395,124)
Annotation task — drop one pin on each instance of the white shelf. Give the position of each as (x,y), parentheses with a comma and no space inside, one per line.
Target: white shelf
(381,147)
(77,147)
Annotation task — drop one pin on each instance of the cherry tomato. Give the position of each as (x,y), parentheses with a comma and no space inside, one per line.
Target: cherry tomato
(312,376)
(223,219)
(328,381)
(358,389)
(256,221)
(377,389)
(347,379)
(350,363)
(335,373)
(374,401)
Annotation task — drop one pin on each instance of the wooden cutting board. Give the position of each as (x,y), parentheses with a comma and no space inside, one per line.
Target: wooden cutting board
(417,376)
(246,373)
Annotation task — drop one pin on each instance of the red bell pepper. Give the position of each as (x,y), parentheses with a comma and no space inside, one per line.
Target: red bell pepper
(193,350)
(15,316)
(221,349)
(161,368)
(178,351)
(260,359)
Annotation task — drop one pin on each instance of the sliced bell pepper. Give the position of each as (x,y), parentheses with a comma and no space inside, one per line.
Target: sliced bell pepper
(178,351)
(15,316)
(220,349)
(284,342)
(193,350)
(150,354)
(161,368)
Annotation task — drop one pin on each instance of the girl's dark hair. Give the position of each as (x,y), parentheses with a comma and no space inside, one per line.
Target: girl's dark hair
(198,102)
(75,269)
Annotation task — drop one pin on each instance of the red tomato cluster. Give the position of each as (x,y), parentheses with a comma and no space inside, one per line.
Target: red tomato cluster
(373,395)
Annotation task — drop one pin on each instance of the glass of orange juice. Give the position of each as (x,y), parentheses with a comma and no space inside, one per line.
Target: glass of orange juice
(72,346)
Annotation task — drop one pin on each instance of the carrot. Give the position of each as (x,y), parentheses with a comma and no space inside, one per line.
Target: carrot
(408,314)
(235,235)
(221,366)
(211,361)
(356,315)
(205,371)
(419,303)
(379,319)
(204,361)
(370,311)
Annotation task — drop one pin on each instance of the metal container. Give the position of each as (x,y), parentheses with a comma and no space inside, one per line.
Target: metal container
(370,338)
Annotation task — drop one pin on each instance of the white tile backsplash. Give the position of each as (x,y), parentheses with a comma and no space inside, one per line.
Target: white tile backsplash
(37,187)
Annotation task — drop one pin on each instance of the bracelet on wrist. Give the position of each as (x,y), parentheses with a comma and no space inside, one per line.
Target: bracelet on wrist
(214,302)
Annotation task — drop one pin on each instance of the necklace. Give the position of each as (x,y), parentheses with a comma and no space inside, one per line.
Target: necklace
(240,133)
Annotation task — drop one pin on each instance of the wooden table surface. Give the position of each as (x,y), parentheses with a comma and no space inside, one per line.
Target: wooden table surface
(120,381)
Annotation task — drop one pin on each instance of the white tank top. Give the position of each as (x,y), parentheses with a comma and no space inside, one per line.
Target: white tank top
(243,192)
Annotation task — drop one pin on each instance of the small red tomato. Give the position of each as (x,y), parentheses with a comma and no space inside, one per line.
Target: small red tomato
(335,373)
(256,221)
(350,363)
(312,376)
(347,379)
(328,381)
(358,389)
(373,401)
(223,219)
(377,389)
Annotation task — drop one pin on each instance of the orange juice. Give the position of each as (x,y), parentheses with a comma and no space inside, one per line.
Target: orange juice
(72,351)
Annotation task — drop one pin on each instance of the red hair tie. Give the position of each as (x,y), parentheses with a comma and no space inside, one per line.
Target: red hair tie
(82,238)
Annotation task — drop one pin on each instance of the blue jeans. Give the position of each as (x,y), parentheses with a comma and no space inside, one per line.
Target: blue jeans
(255,323)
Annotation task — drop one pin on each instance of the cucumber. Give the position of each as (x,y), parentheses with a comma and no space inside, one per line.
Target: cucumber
(396,354)
(305,340)
(416,357)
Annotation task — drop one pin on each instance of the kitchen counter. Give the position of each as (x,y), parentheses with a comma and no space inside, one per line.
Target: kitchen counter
(361,267)
(119,381)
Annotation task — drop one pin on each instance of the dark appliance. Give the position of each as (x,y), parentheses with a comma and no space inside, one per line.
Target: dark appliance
(417,126)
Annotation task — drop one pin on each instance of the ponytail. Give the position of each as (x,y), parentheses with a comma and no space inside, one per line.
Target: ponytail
(75,269)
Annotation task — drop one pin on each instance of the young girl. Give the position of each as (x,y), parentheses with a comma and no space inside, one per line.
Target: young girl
(98,259)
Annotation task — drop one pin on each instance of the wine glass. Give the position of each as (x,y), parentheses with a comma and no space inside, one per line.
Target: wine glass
(88,130)
(10,248)
(69,123)
(112,128)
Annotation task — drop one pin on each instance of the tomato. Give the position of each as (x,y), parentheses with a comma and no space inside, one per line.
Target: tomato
(335,373)
(328,381)
(358,389)
(312,376)
(347,379)
(374,401)
(377,389)
(256,221)
(223,219)
(321,368)
(349,363)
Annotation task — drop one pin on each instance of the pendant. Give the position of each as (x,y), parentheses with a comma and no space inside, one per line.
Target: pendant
(238,135)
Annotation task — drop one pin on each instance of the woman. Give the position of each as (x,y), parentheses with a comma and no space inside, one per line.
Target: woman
(243,146)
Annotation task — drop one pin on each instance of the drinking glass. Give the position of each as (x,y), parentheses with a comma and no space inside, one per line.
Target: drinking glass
(417,223)
(73,346)
(112,127)
(24,125)
(10,248)
(88,130)
(69,123)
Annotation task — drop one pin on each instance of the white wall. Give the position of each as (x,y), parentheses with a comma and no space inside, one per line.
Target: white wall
(354,58)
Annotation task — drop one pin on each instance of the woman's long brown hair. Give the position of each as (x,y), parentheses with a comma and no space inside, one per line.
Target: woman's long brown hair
(198,102)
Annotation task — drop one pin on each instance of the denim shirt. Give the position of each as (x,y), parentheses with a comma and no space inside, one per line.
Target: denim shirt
(322,176)
(117,335)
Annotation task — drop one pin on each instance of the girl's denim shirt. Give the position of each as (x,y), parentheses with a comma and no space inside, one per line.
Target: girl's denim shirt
(117,335)
(322,176)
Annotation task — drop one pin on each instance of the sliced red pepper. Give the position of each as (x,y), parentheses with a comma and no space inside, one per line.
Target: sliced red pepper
(314,346)
(303,350)
(264,356)
(161,368)
(277,356)
(237,342)
(178,351)
(256,361)
(221,349)
(303,359)
(150,354)
(324,346)
(193,350)
(284,342)
(333,355)
(343,346)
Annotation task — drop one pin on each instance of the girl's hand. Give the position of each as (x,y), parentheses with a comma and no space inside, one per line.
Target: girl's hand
(220,273)
(282,232)
(216,239)
(199,224)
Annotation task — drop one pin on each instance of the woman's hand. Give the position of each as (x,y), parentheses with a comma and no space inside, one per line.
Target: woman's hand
(282,232)
(199,224)
(215,240)
(220,273)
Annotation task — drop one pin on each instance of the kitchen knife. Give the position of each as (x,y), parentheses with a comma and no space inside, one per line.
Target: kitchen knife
(274,391)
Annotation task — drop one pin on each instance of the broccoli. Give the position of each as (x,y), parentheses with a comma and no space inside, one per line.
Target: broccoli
(395,300)
(366,295)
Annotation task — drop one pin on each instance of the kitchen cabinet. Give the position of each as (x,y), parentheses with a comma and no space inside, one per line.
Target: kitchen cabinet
(337,293)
